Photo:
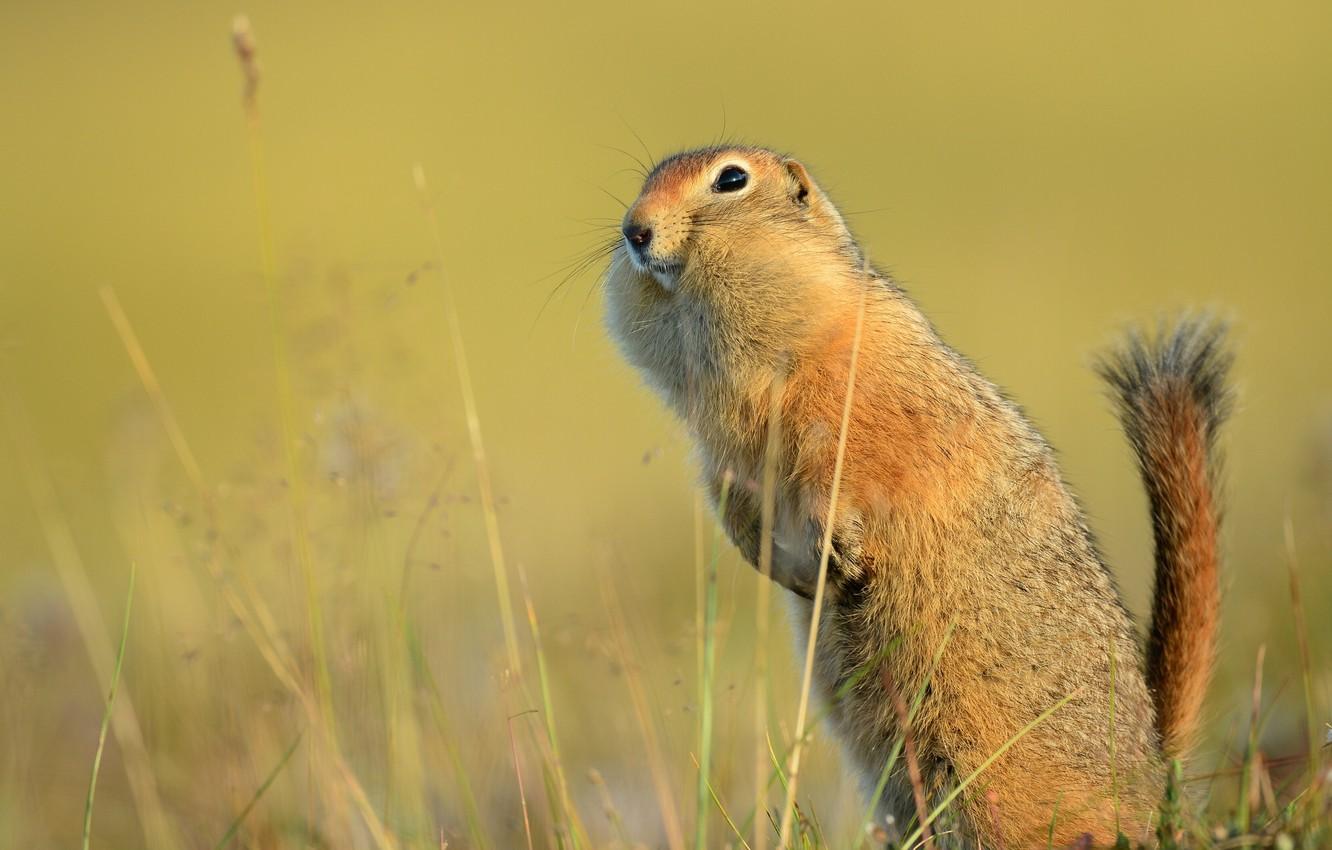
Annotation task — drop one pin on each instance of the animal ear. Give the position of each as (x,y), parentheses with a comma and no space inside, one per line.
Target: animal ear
(801,186)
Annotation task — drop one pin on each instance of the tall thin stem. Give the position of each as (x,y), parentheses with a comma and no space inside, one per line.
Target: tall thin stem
(797,747)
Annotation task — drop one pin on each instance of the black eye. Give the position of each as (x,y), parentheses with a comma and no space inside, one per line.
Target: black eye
(732,179)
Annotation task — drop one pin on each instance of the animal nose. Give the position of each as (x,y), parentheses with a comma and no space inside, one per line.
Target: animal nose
(638,235)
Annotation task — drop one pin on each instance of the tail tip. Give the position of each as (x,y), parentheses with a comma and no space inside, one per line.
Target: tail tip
(1190,355)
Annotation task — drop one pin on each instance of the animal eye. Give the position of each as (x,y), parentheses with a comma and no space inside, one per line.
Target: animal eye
(732,179)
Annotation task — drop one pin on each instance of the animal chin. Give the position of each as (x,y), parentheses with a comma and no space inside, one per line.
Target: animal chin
(666,274)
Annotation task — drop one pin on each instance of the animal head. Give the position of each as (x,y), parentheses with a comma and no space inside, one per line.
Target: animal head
(731,258)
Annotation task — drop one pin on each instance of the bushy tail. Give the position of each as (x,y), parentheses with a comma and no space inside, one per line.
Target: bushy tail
(1173,394)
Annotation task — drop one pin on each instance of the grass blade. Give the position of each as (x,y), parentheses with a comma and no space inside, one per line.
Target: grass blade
(106,714)
(577,833)
(258,793)
(707,673)
(916,702)
(518,771)
(483,482)
(159,833)
(638,696)
(913,765)
(1306,664)
(763,605)
(1249,772)
(1114,755)
(985,765)
(258,623)
(426,679)
(726,816)
(788,810)
(244,44)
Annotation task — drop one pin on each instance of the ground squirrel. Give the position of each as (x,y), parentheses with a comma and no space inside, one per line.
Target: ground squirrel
(954,534)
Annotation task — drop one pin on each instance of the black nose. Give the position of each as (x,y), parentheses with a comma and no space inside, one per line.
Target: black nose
(638,235)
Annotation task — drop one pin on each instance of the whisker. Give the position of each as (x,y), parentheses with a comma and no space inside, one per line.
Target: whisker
(608,194)
(642,166)
(849,213)
(573,271)
(651,159)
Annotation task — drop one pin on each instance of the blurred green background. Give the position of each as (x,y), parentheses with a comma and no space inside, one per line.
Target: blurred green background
(1037,175)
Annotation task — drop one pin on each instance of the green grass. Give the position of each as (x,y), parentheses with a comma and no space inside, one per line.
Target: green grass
(258,793)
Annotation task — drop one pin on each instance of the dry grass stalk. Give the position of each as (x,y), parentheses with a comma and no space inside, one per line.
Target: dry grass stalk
(913,765)
(483,481)
(762,611)
(826,550)
(661,781)
(518,771)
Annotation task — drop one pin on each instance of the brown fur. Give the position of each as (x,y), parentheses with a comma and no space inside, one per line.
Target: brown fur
(954,533)
(1173,397)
